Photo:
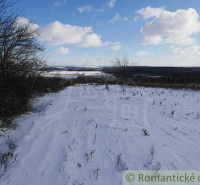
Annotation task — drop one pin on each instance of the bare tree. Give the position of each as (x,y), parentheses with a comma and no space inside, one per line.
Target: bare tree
(123,69)
(122,64)
(20,55)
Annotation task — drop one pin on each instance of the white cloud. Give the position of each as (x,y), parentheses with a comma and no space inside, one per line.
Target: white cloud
(87,8)
(152,40)
(62,50)
(58,3)
(169,27)
(57,33)
(188,52)
(142,53)
(100,10)
(183,41)
(22,21)
(92,40)
(112,3)
(116,18)
(136,18)
(115,46)
(149,12)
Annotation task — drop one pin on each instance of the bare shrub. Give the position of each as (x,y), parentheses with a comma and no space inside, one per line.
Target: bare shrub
(7,157)
(120,165)
(146,133)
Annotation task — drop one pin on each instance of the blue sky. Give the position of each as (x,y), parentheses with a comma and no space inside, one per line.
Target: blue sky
(91,32)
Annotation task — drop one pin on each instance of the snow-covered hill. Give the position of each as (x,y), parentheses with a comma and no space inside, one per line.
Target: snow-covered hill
(89,135)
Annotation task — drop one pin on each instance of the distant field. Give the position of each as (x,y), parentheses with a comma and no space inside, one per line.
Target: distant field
(72,73)
(159,71)
(135,70)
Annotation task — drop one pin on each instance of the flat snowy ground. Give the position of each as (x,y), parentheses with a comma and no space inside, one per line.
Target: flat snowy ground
(88,135)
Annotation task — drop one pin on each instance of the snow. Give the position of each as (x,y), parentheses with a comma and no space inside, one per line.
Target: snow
(73,74)
(77,136)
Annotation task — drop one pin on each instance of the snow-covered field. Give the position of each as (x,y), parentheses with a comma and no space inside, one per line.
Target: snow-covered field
(89,135)
(73,74)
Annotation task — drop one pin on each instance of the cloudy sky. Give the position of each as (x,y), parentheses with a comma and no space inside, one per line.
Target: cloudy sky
(91,32)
